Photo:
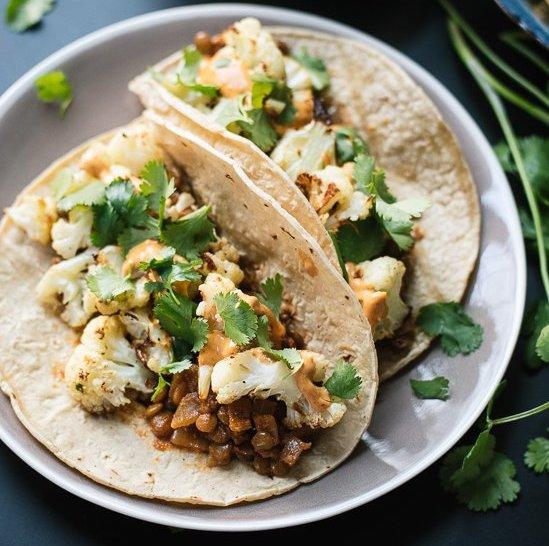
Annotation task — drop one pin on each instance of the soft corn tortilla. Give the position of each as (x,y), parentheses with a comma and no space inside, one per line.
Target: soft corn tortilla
(409,140)
(118,450)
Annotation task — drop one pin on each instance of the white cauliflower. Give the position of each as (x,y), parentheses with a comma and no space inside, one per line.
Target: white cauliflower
(63,284)
(252,373)
(181,207)
(154,345)
(69,236)
(223,259)
(35,215)
(111,256)
(385,275)
(255,47)
(103,366)
(305,150)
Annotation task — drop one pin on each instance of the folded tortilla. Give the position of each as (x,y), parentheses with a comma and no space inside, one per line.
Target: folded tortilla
(118,449)
(409,140)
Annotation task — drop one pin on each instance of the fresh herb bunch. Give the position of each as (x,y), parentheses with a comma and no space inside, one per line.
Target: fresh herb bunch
(479,476)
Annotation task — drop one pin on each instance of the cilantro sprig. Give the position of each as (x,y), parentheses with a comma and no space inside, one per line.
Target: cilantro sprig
(349,145)
(458,332)
(107,284)
(239,319)
(188,72)
(536,456)
(316,68)
(55,87)
(478,475)
(270,293)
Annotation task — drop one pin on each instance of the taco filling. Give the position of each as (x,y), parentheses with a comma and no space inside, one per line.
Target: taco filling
(173,318)
(247,82)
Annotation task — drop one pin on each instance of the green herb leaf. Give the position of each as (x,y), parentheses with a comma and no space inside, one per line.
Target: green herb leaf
(536,456)
(459,334)
(121,209)
(315,67)
(191,235)
(289,356)
(271,293)
(159,264)
(23,14)
(54,87)
(107,284)
(535,153)
(349,145)
(264,88)
(88,195)
(535,353)
(260,130)
(156,186)
(361,240)
(262,334)
(229,112)
(239,319)
(480,477)
(178,367)
(132,236)
(188,72)
(436,388)
(160,386)
(344,382)
(176,315)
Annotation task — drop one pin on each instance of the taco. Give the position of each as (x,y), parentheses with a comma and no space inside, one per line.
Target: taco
(171,332)
(356,137)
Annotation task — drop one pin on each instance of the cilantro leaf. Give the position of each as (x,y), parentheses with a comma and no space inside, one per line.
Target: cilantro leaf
(260,130)
(536,349)
(344,382)
(366,182)
(176,315)
(184,271)
(488,485)
(177,367)
(191,235)
(360,240)
(349,145)
(262,334)
(54,87)
(132,236)
(159,264)
(315,67)
(160,386)
(278,93)
(459,334)
(107,284)
(536,456)
(436,388)
(228,112)
(289,356)
(88,195)
(156,186)
(535,153)
(271,293)
(188,72)
(239,319)
(23,14)
(120,209)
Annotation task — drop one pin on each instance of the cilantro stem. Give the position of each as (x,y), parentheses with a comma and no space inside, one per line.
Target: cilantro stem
(517,416)
(502,65)
(477,70)
(515,39)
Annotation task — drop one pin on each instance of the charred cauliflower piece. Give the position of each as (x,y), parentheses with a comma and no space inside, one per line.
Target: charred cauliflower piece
(35,215)
(103,366)
(64,285)
(253,373)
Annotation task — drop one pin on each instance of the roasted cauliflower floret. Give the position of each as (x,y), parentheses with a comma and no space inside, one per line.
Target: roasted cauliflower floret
(35,215)
(184,204)
(69,236)
(305,150)
(153,345)
(103,366)
(252,373)
(256,48)
(377,284)
(223,259)
(63,285)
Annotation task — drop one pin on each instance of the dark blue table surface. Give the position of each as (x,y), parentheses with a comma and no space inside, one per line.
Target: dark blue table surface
(34,511)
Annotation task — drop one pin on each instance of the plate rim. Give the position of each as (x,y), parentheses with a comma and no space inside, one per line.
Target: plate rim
(100,494)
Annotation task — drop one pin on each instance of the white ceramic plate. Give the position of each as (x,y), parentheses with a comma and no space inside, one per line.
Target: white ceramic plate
(406,434)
